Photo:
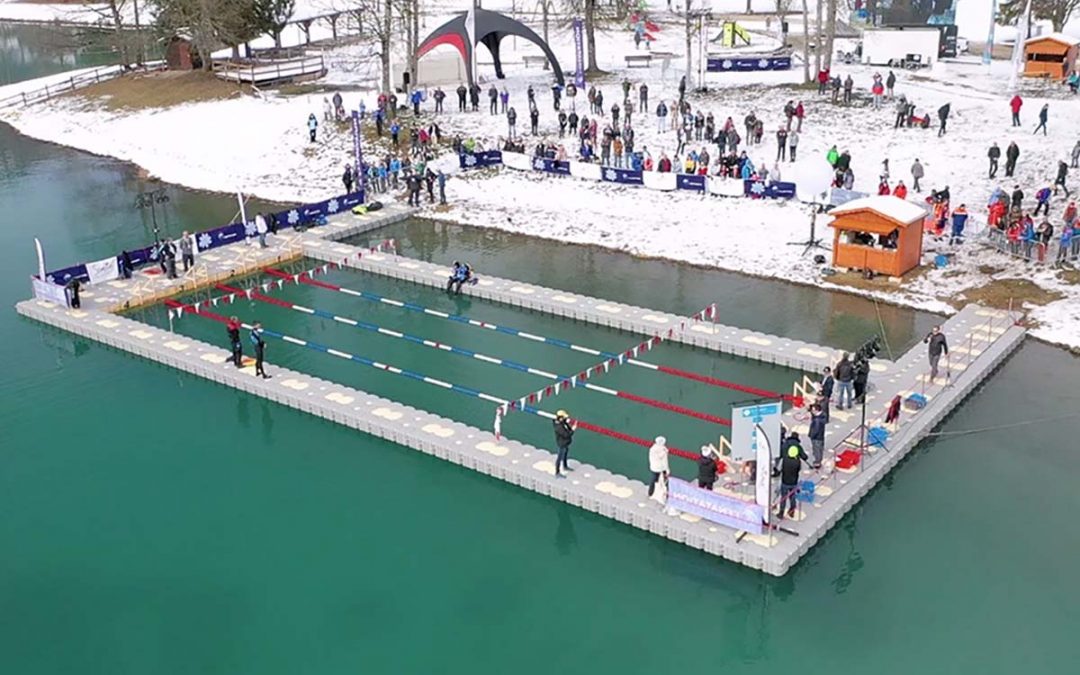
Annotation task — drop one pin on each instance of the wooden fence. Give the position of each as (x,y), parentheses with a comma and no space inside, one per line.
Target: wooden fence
(72,83)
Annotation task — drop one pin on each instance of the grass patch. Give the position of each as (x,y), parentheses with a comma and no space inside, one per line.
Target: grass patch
(163,89)
(990,270)
(1001,292)
(1069,276)
(878,283)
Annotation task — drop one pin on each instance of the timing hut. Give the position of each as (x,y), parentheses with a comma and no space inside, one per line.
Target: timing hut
(880,233)
(1052,56)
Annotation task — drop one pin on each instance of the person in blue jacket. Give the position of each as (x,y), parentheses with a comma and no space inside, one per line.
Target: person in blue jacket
(1043,199)
(459,274)
(416,98)
(1028,237)
(959,221)
(1064,243)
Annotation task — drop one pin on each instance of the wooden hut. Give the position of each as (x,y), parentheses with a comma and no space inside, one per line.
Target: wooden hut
(180,54)
(1052,56)
(881,233)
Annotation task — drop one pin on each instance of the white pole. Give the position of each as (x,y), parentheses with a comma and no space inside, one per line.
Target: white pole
(243,214)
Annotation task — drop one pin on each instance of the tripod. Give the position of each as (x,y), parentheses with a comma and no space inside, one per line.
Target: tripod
(813,242)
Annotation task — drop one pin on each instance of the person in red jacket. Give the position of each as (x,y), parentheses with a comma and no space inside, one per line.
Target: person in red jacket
(800,113)
(1015,104)
(822,80)
(900,190)
(883,187)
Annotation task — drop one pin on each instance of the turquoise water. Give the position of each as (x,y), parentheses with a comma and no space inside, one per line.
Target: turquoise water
(156,523)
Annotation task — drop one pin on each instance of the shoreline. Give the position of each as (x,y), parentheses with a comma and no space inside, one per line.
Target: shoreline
(1072,350)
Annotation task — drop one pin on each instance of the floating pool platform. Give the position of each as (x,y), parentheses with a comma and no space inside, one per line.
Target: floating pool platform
(981,339)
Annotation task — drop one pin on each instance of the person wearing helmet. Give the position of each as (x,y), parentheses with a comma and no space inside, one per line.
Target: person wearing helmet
(564,435)
(706,473)
(658,463)
(788,466)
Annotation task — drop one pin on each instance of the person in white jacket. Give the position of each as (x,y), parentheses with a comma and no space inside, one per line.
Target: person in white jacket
(658,463)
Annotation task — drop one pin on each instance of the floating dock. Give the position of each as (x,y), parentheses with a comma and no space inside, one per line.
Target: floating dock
(980,340)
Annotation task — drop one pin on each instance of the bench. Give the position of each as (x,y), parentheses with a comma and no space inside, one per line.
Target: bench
(534,59)
(638,60)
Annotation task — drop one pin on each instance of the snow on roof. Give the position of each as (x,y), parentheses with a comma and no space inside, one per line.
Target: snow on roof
(1056,37)
(893,208)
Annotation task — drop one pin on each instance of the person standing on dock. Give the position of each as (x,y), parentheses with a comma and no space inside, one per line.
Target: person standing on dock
(845,375)
(825,391)
(260,350)
(818,419)
(658,463)
(938,346)
(564,436)
(232,329)
(261,229)
(788,467)
(706,472)
(187,250)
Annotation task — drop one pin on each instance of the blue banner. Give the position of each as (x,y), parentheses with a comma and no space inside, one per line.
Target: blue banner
(746,64)
(551,166)
(579,55)
(688,181)
(361,174)
(623,176)
(233,232)
(479,160)
(773,190)
(714,507)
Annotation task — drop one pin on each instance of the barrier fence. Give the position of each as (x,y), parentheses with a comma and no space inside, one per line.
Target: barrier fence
(73,83)
(656,180)
(297,216)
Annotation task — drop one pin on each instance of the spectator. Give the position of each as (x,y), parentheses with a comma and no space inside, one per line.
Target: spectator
(658,464)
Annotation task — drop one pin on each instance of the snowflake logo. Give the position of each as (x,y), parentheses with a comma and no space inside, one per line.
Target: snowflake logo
(609,174)
(205,241)
(758,188)
(538,164)
(763,63)
(249,228)
(332,206)
(726,64)
(470,160)
(293,217)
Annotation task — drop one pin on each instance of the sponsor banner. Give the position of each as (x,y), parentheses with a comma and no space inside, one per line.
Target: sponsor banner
(686,181)
(726,187)
(622,176)
(715,507)
(773,190)
(747,424)
(745,64)
(103,270)
(517,160)
(551,166)
(480,160)
(43,290)
(63,276)
(579,54)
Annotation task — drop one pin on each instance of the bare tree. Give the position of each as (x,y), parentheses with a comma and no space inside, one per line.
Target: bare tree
(271,16)
(806,42)
(378,17)
(546,7)
(830,33)
(1057,12)
(590,36)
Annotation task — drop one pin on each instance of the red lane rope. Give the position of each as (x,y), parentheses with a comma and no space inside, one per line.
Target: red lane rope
(764,393)
(603,431)
(671,407)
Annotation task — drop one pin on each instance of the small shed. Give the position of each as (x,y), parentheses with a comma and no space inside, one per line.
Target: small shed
(1052,55)
(879,233)
(180,54)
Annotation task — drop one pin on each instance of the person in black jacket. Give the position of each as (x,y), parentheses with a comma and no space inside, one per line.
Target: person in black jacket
(232,329)
(825,391)
(564,436)
(862,374)
(938,346)
(845,374)
(706,472)
(788,466)
(260,350)
(818,420)
(994,154)
(1012,153)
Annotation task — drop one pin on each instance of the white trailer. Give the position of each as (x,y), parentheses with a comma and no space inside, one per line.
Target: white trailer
(900,47)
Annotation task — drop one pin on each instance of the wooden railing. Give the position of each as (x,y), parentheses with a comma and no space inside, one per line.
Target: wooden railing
(73,83)
(259,71)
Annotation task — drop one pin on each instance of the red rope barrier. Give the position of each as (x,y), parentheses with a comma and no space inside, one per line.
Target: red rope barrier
(671,407)
(764,393)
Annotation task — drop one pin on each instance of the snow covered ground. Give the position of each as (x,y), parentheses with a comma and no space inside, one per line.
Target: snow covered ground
(259,145)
